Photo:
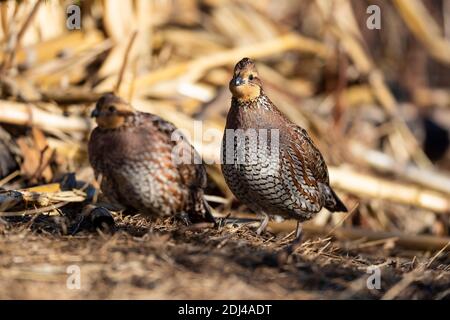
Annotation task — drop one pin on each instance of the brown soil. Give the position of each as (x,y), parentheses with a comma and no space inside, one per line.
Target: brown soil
(159,260)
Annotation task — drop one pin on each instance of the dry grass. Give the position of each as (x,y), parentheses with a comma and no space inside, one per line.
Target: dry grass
(144,259)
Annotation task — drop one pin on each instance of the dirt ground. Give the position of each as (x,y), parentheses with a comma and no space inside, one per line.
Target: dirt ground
(144,259)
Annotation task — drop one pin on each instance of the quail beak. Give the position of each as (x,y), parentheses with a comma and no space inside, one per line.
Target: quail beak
(95,113)
(238,81)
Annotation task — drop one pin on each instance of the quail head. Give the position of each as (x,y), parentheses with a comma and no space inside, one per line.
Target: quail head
(269,163)
(136,154)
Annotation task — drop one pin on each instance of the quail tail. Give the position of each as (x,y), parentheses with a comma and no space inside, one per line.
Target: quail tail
(333,203)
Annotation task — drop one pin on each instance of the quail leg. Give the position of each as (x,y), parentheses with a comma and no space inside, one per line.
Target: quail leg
(284,254)
(297,241)
(298,233)
(263,225)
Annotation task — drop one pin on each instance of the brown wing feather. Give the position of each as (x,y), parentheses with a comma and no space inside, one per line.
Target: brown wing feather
(317,165)
(300,178)
(190,167)
(314,158)
(192,171)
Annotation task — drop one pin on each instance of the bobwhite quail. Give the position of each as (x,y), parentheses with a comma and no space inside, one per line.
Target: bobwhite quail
(269,163)
(134,154)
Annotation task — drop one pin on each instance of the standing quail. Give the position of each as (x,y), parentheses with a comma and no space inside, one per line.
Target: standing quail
(280,172)
(133,151)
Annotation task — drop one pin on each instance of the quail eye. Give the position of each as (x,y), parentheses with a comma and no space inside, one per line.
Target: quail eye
(250,77)
(112,109)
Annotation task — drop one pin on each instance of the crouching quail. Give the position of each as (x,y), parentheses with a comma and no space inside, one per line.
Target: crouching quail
(269,163)
(134,154)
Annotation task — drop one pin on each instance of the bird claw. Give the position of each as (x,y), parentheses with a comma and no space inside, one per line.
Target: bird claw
(184,217)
